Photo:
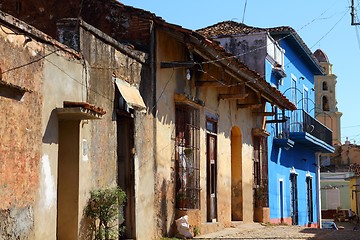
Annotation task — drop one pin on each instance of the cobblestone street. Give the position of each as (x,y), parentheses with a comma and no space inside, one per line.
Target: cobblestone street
(258,231)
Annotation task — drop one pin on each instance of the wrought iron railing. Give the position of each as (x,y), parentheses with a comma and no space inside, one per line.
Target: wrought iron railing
(301,121)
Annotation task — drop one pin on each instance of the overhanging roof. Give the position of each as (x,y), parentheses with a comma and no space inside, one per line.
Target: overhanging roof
(217,54)
(79,111)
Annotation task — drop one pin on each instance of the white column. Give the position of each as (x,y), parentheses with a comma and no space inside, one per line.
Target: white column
(318,199)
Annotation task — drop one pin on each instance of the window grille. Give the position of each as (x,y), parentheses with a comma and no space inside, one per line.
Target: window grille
(261,172)
(187,157)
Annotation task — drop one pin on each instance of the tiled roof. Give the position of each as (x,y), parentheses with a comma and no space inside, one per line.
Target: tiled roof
(321,56)
(6,84)
(86,105)
(127,24)
(207,44)
(228,28)
(258,82)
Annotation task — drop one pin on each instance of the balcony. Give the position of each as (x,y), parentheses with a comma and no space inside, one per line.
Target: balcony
(302,128)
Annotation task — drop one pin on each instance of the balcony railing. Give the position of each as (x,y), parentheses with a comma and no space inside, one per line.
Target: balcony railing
(301,121)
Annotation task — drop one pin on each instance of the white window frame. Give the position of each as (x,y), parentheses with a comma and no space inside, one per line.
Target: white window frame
(305,99)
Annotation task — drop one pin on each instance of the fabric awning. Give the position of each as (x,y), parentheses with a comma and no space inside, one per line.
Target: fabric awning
(131,95)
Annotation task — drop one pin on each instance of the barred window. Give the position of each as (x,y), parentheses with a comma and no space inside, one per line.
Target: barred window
(187,157)
(261,172)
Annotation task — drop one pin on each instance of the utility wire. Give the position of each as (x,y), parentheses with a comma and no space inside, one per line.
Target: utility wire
(353,126)
(277,41)
(243,18)
(29,63)
(331,28)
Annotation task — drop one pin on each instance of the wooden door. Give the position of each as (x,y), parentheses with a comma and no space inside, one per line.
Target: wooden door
(211,177)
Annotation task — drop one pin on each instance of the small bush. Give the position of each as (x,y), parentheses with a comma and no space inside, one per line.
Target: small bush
(104,210)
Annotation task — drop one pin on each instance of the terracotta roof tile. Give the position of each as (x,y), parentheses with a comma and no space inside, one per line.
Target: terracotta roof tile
(227,28)
(86,105)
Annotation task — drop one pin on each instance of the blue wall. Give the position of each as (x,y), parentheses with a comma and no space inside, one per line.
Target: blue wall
(300,157)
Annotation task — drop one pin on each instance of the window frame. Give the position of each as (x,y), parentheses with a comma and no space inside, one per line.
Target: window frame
(187,157)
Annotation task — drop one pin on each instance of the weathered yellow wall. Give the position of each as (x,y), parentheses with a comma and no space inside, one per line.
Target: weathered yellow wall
(169,82)
(353,196)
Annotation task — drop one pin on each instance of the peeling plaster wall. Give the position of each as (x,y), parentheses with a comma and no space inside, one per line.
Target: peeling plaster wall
(104,61)
(20,131)
(30,141)
(252,43)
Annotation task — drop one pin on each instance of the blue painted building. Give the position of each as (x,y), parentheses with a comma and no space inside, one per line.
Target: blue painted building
(289,172)
(297,136)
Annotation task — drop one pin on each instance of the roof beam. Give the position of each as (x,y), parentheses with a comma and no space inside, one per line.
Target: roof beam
(276,121)
(210,84)
(185,64)
(239,96)
(250,105)
(264,113)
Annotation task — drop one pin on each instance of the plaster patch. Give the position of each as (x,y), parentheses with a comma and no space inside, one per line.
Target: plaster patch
(84,150)
(47,184)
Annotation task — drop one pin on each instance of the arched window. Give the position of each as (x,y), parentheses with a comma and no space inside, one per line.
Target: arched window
(325,86)
(325,103)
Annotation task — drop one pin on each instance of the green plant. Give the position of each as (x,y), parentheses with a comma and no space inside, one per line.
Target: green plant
(196,230)
(103,210)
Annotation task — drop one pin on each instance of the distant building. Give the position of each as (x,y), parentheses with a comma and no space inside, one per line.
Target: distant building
(326,110)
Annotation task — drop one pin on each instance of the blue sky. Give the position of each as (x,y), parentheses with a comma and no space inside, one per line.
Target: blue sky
(324,24)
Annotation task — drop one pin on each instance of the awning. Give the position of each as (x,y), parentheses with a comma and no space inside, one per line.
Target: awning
(130,94)
(79,111)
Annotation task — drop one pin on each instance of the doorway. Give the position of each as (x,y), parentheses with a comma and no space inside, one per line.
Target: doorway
(68,179)
(294,199)
(281,195)
(236,175)
(309,198)
(211,143)
(126,171)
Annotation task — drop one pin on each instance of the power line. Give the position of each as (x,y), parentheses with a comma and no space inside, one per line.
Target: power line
(346,12)
(353,126)
(243,18)
(29,63)
(282,38)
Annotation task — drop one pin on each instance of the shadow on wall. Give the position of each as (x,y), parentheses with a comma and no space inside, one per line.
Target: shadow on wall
(87,228)
(51,131)
(298,157)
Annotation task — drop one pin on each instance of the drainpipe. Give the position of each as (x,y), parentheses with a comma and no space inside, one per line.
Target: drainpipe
(318,198)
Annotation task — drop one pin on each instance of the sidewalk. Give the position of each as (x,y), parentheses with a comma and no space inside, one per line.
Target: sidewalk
(262,231)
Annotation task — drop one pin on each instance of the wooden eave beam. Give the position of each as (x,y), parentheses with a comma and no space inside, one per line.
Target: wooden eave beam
(210,84)
(250,105)
(185,64)
(264,113)
(239,96)
(276,121)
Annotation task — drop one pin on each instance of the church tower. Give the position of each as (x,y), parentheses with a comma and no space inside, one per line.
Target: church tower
(326,110)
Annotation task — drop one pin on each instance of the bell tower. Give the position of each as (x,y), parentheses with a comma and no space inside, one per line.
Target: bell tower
(326,110)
